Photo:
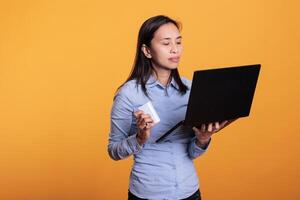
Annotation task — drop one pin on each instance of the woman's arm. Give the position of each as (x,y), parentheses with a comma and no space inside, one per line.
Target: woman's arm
(195,149)
(201,141)
(121,144)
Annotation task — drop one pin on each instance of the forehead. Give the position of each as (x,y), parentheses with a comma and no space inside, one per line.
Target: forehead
(166,31)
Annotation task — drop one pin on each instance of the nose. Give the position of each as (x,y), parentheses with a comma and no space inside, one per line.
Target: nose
(174,48)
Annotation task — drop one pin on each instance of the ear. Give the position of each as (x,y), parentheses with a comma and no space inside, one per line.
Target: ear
(146,51)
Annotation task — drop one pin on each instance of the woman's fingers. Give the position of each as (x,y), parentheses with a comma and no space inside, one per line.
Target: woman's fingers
(210,127)
(147,122)
(144,121)
(196,129)
(138,113)
(217,125)
(203,128)
(224,123)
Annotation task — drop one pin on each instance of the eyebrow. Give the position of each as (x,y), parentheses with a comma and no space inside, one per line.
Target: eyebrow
(168,38)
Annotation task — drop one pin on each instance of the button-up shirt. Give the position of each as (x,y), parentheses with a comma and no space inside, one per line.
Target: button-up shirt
(162,170)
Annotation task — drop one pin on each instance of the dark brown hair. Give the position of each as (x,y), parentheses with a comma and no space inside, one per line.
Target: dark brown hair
(142,67)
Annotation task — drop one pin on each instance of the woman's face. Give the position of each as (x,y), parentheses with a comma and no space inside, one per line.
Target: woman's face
(165,47)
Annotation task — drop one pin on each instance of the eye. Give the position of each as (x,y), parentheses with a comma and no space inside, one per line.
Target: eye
(179,42)
(166,43)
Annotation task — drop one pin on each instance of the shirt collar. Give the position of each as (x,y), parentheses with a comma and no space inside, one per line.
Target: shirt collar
(174,84)
(152,81)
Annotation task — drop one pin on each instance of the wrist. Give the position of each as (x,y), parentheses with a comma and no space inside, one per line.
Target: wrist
(140,140)
(202,143)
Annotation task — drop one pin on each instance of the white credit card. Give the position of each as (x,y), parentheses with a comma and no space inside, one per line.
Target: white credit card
(149,109)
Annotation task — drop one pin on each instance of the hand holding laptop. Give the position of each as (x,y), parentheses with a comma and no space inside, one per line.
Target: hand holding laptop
(205,132)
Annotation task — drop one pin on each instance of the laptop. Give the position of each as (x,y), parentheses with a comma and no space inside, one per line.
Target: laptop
(219,94)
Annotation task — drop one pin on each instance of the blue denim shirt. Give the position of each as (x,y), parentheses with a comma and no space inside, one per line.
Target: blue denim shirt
(161,170)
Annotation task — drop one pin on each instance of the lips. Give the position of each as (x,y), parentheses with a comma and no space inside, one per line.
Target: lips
(174,59)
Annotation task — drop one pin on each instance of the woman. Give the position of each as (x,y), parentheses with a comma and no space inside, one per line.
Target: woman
(160,170)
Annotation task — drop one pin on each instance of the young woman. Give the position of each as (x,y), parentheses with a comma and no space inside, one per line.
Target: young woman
(160,170)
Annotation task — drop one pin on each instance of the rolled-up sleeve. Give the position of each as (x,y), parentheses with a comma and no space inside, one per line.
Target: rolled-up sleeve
(194,150)
(121,144)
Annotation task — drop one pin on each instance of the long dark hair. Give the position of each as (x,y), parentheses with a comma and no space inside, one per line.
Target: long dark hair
(142,67)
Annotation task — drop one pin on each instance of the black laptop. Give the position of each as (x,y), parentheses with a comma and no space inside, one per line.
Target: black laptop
(219,94)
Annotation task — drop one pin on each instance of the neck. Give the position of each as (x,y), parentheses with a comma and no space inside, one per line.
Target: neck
(162,75)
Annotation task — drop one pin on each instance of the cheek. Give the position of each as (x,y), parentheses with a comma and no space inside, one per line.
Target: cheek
(163,57)
(161,54)
(180,49)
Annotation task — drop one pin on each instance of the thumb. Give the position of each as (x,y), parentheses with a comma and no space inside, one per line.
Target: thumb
(195,129)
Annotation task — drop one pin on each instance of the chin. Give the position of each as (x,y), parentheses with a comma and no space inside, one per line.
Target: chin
(172,66)
(169,66)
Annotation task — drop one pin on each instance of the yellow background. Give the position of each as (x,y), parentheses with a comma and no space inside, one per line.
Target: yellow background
(61,62)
